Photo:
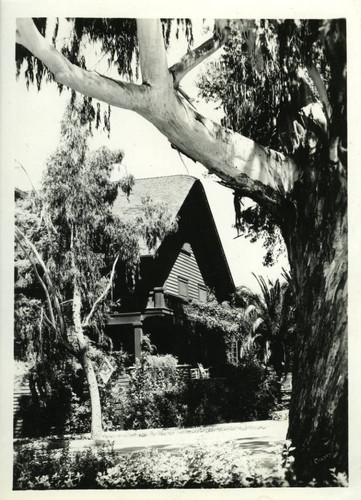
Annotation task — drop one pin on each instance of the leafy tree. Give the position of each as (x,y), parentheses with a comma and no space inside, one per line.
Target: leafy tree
(71,252)
(302,186)
(71,243)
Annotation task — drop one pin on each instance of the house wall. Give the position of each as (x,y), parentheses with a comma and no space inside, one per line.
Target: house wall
(185,278)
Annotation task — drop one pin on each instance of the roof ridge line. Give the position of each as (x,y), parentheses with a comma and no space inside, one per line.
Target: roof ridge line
(166,176)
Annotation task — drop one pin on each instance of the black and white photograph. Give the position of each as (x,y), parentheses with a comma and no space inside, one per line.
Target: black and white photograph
(179,233)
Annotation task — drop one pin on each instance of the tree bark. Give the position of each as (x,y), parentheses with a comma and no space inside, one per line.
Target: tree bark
(96,412)
(316,237)
(83,345)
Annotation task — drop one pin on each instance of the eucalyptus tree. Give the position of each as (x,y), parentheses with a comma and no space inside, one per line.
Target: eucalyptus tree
(79,238)
(302,186)
(69,244)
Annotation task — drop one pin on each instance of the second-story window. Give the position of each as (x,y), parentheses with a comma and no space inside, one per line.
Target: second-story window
(183,287)
(202,293)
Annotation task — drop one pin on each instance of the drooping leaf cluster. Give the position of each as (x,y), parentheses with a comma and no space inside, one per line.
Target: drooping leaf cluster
(258,80)
(257,224)
(115,39)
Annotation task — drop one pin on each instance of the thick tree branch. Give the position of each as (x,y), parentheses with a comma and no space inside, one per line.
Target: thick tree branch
(103,295)
(194,57)
(90,83)
(238,161)
(152,53)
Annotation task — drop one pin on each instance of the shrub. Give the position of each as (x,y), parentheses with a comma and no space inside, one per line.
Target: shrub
(153,398)
(158,397)
(247,392)
(253,392)
(38,469)
(212,466)
(206,402)
(216,465)
(54,408)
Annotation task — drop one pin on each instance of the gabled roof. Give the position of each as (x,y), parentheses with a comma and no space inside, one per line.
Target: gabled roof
(171,190)
(185,199)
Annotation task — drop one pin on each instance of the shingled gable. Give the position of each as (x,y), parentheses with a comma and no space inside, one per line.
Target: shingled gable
(185,198)
(171,190)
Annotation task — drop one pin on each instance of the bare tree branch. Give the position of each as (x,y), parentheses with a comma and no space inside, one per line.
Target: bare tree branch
(103,295)
(194,57)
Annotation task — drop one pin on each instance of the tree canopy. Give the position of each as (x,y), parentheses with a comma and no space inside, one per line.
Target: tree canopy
(69,245)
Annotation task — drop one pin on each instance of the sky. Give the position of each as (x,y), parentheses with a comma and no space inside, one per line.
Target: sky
(147,154)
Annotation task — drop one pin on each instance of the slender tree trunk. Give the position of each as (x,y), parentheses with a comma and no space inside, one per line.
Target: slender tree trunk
(317,243)
(96,415)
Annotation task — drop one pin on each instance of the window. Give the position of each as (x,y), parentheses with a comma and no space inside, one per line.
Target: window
(232,352)
(186,248)
(202,293)
(183,287)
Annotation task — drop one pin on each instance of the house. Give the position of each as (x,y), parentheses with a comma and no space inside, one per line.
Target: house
(182,267)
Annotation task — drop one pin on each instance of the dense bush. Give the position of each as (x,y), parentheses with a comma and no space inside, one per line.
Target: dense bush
(158,397)
(212,466)
(39,469)
(247,392)
(154,395)
(56,405)
(252,391)
(206,402)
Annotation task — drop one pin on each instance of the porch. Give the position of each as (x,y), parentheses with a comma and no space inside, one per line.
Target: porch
(156,308)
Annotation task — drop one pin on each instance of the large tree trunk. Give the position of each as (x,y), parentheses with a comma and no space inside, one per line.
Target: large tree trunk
(316,236)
